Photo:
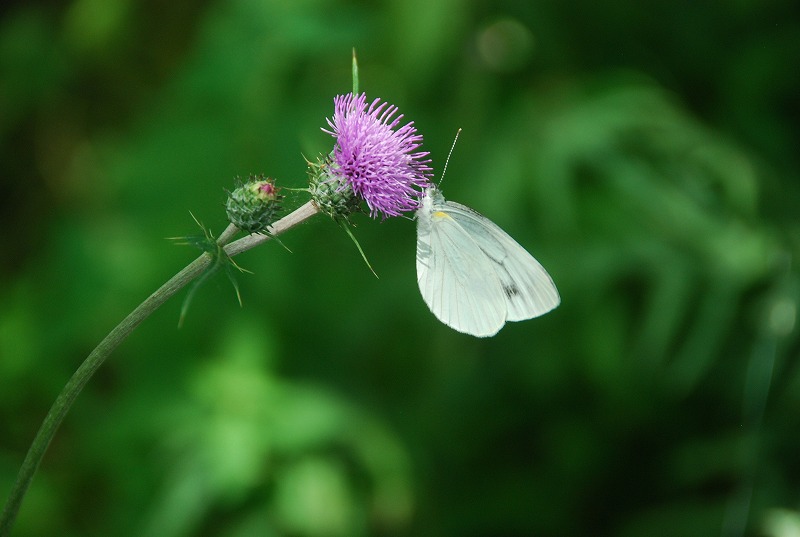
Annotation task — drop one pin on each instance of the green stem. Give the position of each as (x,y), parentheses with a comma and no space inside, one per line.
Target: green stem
(93,362)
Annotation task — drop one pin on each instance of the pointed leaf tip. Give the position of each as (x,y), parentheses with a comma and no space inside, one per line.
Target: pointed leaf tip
(355,72)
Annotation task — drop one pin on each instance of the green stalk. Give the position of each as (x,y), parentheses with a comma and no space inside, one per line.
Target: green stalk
(96,358)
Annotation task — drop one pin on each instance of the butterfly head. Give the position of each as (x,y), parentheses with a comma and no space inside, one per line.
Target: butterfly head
(432,196)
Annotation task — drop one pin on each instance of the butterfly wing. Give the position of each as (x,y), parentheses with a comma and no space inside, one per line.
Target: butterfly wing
(456,278)
(527,288)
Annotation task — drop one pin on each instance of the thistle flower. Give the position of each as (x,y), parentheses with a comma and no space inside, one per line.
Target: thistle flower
(374,158)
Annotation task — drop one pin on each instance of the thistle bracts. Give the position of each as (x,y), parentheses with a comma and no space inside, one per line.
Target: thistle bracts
(254,205)
(330,191)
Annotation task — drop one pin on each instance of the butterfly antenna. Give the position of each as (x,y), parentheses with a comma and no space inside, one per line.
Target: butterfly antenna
(446,162)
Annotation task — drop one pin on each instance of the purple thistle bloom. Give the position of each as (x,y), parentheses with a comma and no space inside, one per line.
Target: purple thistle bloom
(376,159)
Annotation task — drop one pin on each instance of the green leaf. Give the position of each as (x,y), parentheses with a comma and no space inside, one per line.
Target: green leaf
(355,73)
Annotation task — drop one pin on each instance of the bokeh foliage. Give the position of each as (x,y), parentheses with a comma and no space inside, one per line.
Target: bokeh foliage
(645,152)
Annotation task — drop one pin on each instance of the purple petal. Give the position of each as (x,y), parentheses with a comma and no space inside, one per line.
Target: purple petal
(380,162)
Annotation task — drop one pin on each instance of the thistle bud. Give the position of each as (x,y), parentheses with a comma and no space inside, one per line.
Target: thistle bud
(253,206)
(330,191)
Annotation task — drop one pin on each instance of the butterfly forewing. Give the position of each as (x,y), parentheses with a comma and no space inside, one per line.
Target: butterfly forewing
(527,287)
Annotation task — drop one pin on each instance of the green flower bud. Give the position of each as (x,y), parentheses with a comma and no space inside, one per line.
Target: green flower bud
(253,206)
(331,192)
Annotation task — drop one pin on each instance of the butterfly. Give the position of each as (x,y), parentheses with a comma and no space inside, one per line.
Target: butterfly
(472,275)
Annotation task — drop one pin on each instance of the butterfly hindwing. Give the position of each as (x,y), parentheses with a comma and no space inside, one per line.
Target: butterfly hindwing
(456,279)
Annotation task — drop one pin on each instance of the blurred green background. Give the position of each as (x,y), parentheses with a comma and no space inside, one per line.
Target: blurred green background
(645,152)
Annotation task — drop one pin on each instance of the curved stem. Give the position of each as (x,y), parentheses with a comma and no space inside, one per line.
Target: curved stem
(96,358)
(228,234)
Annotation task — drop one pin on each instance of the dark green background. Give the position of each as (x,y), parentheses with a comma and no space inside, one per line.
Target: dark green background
(645,152)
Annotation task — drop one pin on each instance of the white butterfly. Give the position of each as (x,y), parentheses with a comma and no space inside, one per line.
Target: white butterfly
(472,274)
